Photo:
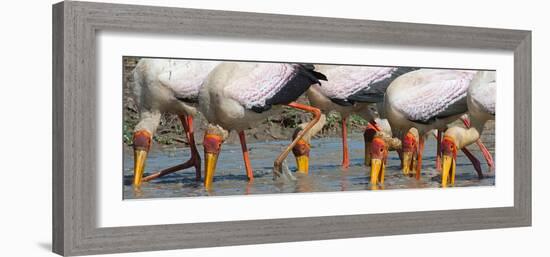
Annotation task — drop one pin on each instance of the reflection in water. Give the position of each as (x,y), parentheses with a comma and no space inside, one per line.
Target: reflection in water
(325,173)
(343,182)
(304,183)
(137,192)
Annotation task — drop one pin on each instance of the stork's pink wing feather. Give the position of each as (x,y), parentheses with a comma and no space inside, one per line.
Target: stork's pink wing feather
(437,93)
(185,78)
(262,82)
(344,81)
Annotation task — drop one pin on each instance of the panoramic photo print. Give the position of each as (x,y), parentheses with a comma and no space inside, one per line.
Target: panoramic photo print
(220,128)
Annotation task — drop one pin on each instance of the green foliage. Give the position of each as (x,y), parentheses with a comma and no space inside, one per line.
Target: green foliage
(128,130)
(356,121)
(164,139)
(334,122)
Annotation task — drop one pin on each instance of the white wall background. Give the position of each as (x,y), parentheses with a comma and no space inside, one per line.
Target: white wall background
(25,128)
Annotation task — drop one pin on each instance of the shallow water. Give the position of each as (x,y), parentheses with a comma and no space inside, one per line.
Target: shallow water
(325,174)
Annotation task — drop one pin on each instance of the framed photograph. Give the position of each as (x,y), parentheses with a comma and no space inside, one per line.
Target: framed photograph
(182,128)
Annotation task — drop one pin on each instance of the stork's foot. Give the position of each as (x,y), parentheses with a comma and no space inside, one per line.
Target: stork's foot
(277,170)
(345,164)
(281,170)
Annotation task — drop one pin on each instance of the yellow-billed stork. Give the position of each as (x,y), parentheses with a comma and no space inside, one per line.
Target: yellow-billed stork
(238,95)
(166,86)
(481,101)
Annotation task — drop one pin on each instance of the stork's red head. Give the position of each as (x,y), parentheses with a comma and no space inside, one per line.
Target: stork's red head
(142,140)
(212,144)
(449,149)
(409,147)
(301,152)
(377,148)
(378,153)
(448,146)
(214,137)
(410,143)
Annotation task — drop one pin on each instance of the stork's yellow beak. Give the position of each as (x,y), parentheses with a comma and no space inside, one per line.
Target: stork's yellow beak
(210,161)
(301,152)
(377,169)
(140,156)
(302,162)
(407,163)
(449,171)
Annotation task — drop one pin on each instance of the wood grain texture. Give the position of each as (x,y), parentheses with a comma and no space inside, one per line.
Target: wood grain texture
(74,131)
(58,230)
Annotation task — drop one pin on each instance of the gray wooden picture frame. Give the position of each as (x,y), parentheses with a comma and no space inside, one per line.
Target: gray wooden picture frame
(75,25)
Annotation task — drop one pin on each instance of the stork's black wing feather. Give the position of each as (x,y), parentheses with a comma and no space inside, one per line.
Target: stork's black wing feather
(188,99)
(375,92)
(304,77)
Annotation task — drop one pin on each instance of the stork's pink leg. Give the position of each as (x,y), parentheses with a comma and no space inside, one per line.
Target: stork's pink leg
(345,151)
(277,166)
(195,156)
(438,154)
(246,158)
(474,161)
(486,154)
(419,157)
(195,160)
(484,150)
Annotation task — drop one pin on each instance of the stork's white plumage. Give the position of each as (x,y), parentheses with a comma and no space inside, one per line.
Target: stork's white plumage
(482,96)
(166,86)
(238,95)
(349,89)
(425,99)
(481,103)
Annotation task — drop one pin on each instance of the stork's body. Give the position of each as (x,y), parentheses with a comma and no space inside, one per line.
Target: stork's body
(238,95)
(481,101)
(349,90)
(426,99)
(166,86)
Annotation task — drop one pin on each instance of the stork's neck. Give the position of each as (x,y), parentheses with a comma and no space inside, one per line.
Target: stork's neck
(469,137)
(315,97)
(466,136)
(149,120)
